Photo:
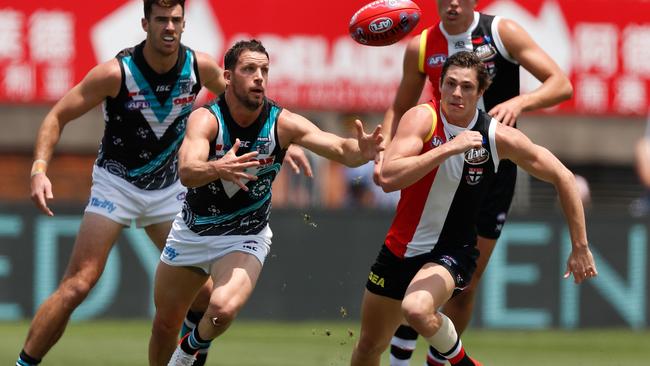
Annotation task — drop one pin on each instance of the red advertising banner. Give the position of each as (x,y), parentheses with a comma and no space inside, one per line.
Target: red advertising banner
(47,46)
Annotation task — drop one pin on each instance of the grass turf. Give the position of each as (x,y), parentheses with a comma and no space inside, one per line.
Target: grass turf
(250,343)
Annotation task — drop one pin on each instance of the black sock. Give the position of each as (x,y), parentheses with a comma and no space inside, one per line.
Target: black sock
(404,335)
(28,359)
(193,342)
(194,316)
(435,358)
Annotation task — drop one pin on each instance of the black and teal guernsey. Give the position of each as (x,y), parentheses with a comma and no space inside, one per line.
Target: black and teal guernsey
(221,207)
(145,122)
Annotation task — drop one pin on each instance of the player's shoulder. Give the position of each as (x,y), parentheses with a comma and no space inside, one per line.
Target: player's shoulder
(108,71)
(204,59)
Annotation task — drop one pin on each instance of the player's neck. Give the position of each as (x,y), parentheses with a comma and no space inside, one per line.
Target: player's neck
(158,62)
(458,27)
(458,119)
(242,115)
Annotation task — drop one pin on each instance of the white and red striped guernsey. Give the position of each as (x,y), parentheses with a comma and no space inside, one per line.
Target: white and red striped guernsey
(442,207)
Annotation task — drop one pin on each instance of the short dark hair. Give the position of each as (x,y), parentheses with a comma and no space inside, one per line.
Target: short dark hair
(468,60)
(232,55)
(148,4)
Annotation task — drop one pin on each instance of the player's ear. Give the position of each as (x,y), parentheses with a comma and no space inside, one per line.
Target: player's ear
(226,76)
(144,23)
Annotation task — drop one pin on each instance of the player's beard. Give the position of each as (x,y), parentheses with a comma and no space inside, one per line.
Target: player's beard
(248,102)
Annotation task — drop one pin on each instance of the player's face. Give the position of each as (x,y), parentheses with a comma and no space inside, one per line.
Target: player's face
(164,28)
(456,12)
(459,95)
(248,80)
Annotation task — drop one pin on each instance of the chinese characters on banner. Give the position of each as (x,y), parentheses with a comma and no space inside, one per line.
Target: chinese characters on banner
(46,47)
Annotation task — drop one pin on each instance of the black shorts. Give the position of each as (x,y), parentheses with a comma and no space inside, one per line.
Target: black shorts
(495,205)
(390,275)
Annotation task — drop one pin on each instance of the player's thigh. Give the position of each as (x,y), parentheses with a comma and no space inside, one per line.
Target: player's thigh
(96,237)
(380,317)
(158,233)
(485,247)
(175,287)
(432,286)
(235,276)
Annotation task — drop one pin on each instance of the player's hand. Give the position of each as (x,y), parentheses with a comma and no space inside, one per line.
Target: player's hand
(464,141)
(41,192)
(581,264)
(369,144)
(508,111)
(298,161)
(376,171)
(233,168)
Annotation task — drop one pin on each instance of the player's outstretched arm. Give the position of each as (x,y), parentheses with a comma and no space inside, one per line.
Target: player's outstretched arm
(555,87)
(541,163)
(210,73)
(294,128)
(403,162)
(100,82)
(194,168)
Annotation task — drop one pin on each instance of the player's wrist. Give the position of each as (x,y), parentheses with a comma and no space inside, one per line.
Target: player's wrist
(39,166)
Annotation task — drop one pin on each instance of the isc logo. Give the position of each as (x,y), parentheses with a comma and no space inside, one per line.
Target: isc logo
(163,88)
(380,25)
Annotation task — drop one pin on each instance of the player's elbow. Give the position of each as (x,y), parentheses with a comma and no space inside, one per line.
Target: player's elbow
(186,177)
(387,182)
(566,89)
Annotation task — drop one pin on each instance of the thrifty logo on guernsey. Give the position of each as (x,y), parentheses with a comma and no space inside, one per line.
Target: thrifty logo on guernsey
(379,281)
(170,253)
(108,205)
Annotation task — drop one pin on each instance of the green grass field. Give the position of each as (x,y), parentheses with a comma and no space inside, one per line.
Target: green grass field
(330,344)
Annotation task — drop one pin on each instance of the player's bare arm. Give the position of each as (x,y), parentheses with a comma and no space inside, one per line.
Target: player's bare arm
(541,163)
(403,164)
(555,87)
(294,128)
(210,73)
(102,81)
(194,168)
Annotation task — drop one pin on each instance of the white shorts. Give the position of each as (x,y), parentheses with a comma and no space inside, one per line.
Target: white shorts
(122,202)
(186,248)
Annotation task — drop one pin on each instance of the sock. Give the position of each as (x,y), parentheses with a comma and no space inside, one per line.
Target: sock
(402,345)
(192,318)
(26,360)
(193,342)
(434,358)
(447,339)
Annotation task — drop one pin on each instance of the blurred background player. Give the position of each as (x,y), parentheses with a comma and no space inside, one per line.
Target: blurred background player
(230,156)
(147,92)
(503,46)
(444,160)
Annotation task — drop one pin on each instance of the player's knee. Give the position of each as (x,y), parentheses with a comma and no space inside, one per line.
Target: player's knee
(165,326)
(222,312)
(369,347)
(419,312)
(74,290)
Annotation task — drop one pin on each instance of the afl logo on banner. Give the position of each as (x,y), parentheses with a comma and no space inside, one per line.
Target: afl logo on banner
(476,156)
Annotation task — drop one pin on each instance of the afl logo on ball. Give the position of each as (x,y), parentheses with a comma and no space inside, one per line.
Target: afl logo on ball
(380,25)
(476,156)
